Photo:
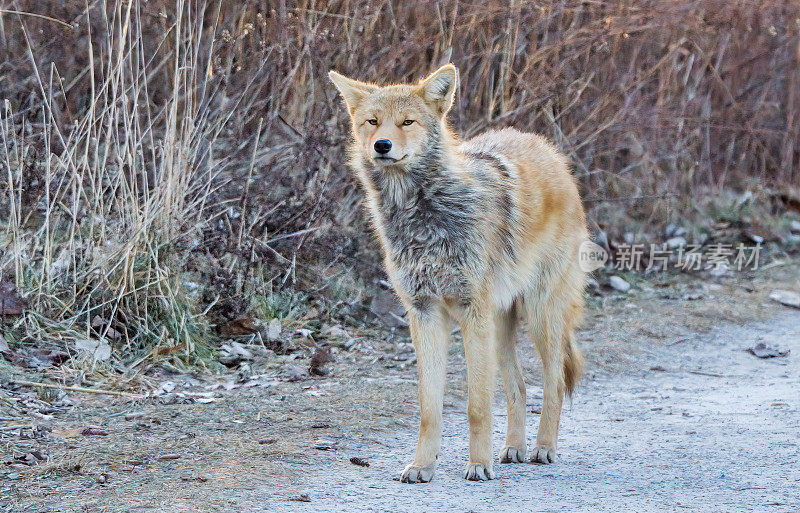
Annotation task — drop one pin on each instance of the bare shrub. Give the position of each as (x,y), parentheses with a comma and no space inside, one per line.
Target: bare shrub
(161,159)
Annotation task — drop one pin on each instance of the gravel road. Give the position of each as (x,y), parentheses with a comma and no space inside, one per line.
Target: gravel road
(699,425)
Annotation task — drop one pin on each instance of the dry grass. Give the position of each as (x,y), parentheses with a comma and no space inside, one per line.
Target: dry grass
(163,160)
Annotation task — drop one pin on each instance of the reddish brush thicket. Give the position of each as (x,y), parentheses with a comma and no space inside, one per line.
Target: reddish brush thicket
(653,100)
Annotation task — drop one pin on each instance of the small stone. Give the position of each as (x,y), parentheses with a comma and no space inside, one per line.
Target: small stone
(761,350)
(233,353)
(92,430)
(786,297)
(676,242)
(239,350)
(719,270)
(324,445)
(795,226)
(334,332)
(619,284)
(274,329)
(293,372)
(165,388)
(99,349)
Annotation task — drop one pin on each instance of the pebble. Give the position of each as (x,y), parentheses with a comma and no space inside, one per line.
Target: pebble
(676,242)
(293,372)
(619,284)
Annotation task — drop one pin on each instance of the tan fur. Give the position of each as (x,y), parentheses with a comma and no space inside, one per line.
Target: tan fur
(510,250)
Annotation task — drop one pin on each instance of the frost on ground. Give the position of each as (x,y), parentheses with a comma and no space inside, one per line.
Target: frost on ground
(707,427)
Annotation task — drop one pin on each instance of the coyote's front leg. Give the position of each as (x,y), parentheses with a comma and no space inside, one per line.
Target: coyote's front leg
(479,334)
(429,334)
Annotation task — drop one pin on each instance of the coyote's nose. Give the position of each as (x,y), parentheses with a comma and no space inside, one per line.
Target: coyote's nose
(383,146)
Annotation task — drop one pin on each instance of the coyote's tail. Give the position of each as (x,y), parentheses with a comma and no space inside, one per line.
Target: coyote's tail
(573,364)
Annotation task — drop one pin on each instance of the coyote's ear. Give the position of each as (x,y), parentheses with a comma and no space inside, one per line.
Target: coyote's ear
(352,91)
(439,88)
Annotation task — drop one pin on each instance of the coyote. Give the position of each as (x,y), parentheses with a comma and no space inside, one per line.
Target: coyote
(480,232)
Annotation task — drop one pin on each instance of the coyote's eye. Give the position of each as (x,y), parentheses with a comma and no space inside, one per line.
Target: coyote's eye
(408,122)
(373,122)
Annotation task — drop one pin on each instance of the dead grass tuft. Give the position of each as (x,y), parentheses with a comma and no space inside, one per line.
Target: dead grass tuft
(168,165)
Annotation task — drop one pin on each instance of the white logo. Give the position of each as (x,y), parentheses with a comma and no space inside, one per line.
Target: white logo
(591,256)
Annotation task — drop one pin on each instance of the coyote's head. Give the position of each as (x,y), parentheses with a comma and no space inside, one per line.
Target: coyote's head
(395,125)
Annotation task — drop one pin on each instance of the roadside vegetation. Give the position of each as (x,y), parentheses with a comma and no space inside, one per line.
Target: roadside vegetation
(172,174)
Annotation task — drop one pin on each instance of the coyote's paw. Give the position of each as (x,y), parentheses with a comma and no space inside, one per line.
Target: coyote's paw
(478,472)
(543,454)
(414,474)
(510,454)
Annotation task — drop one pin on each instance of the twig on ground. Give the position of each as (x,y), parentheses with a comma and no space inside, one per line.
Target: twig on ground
(80,389)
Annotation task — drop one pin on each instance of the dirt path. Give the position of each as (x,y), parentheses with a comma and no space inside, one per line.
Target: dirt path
(673,415)
(699,425)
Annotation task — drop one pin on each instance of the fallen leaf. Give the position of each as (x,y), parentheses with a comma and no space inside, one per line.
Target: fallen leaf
(201,479)
(66,432)
(92,430)
(33,358)
(11,303)
(240,326)
(320,357)
(99,349)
